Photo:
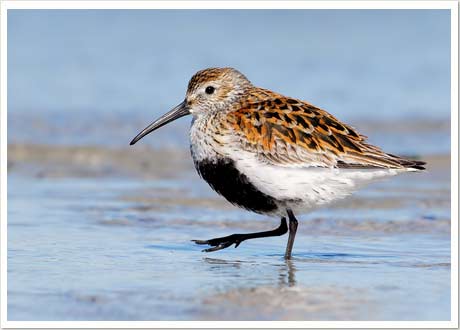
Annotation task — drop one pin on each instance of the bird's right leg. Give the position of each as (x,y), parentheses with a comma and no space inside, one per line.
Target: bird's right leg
(224,242)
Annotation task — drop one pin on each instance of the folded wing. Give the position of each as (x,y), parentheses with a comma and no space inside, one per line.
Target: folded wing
(289,132)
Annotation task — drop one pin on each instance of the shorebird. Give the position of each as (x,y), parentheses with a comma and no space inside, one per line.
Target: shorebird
(273,154)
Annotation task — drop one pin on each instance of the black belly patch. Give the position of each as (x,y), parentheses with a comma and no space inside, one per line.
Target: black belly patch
(224,178)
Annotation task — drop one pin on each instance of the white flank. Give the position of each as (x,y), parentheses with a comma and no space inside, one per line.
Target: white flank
(307,187)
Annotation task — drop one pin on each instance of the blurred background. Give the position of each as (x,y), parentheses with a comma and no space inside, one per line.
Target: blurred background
(75,76)
(98,230)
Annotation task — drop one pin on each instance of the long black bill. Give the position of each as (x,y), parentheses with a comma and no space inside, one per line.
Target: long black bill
(179,111)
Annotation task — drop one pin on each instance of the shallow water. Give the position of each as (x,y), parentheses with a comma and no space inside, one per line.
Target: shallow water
(119,248)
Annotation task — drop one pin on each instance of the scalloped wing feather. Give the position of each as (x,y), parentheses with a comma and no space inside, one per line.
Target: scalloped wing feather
(289,132)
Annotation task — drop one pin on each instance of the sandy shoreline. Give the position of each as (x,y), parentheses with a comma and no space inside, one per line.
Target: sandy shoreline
(95,161)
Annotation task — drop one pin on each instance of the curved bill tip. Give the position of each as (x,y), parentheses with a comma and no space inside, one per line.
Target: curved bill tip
(139,136)
(176,113)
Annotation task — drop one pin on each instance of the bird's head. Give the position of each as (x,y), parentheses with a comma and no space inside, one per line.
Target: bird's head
(210,90)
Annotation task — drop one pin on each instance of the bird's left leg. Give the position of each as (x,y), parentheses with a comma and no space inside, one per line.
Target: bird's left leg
(224,242)
(293,223)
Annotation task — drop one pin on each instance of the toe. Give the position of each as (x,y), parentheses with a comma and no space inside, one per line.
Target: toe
(218,247)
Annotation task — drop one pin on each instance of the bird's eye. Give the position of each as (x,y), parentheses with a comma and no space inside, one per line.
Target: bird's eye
(209,90)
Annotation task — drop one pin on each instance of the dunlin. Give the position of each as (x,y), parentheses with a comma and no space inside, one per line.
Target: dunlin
(273,154)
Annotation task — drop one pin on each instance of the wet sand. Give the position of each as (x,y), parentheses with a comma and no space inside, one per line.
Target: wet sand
(95,161)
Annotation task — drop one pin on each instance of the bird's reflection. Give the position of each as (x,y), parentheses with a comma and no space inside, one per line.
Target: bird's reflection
(287,273)
(286,270)
(218,264)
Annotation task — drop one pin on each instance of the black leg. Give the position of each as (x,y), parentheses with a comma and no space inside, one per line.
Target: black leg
(292,231)
(224,242)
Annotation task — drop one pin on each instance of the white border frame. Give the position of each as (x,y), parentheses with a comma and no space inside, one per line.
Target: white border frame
(14,4)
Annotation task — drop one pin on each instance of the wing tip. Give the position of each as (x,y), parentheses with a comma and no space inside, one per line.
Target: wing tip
(417,165)
(410,163)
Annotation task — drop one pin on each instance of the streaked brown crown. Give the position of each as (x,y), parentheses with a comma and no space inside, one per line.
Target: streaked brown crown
(226,76)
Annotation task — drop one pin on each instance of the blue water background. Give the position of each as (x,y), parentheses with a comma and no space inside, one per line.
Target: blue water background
(98,77)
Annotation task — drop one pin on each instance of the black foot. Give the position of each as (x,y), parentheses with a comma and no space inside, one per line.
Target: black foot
(222,242)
